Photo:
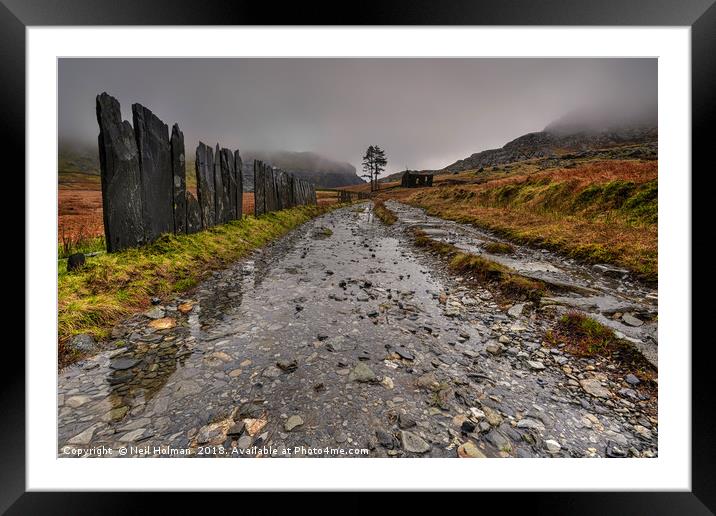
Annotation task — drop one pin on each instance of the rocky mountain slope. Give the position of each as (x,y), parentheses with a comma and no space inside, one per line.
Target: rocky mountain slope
(553,143)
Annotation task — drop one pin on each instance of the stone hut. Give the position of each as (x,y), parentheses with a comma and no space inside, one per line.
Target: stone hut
(416,179)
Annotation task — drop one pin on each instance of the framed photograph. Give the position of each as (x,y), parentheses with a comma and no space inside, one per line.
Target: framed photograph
(354,252)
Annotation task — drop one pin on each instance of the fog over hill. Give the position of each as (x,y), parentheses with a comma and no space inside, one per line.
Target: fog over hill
(81,157)
(425,113)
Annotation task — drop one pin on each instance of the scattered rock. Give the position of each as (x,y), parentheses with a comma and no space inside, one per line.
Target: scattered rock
(631,320)
(386,440)
(293,422)
(536,365)
(404,353)
(552,446)
(254,426)
(164,323)
(493,347)
(83,343)
(610,270)
(493,417)
(75,261)
(413,443)
(120,364)
(84,437)
(236,429)
(468,450)
(632,380)
(245,442)
(595,388)
(516,310)
(271,372)
(132,436)
(405,421)
(387,382)
(185,308)
(155,313)
(76,401)
(362,373)
(287,366)
(531,424)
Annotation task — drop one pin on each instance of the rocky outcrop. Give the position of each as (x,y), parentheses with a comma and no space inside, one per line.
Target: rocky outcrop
(546,144)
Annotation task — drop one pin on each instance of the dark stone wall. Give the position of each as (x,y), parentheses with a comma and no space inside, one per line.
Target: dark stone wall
(120,177)
(179,179)
(155,167)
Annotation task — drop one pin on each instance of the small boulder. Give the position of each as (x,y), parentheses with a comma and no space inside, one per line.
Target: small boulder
(75,261)
(83,343)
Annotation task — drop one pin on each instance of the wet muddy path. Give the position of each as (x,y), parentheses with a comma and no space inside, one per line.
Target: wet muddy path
(607,293)
(343,339)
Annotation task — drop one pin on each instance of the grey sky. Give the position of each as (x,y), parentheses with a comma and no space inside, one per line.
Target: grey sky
(425,113)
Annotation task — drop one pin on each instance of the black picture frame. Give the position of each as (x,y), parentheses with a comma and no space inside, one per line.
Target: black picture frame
(700,15)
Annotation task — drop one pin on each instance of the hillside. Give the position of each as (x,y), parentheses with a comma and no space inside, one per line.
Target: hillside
(553,144)
(599,211)
(313,167)
(567,138)
(78,164)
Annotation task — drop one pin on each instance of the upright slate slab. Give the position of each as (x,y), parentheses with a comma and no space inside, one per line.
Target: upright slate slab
(284,190)
(204,164)
(120,177)
(270,190)
(239,182)
(289,188)
(277,188)
(227,179)
(259,189)
(155,166)
(179,178)
(193,214)
(219,197)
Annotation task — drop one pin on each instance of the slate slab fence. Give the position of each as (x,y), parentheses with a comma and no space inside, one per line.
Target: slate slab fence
(143,175)
(275,189)
(344,196)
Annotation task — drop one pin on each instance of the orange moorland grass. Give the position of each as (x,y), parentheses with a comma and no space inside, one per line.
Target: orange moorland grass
(600,212)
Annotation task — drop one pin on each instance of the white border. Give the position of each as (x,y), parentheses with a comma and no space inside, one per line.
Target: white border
(670,471)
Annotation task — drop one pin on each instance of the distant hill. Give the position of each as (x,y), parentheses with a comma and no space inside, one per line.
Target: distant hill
(575,135)
(551,143)
(75,159)
(78,158)
(317,169)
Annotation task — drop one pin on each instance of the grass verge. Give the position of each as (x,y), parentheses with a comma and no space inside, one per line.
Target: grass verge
(598,212)
(507,280)
(498,248)
(112,286)
(384,213)
(582,336)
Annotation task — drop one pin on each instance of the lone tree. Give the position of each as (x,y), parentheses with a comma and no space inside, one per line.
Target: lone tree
(374,163)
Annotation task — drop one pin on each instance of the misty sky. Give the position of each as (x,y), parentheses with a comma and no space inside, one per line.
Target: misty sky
(425,113)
